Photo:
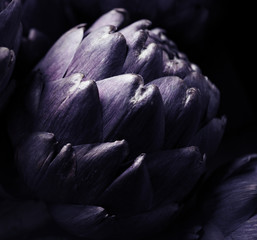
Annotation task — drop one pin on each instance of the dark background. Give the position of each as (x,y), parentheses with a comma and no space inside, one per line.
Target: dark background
(227,56)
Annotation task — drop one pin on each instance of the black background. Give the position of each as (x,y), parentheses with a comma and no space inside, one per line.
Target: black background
(226,54)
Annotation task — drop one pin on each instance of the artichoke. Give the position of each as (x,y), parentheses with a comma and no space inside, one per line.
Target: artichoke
(114,128)
(146,53)
(10,31)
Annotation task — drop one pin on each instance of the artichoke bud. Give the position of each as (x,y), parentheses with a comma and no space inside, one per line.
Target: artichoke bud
(120,124)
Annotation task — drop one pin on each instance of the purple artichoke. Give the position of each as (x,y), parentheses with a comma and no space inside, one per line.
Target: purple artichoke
(10,32)
(114,128)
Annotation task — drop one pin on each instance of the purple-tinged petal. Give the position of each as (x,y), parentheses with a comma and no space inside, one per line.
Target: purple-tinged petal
(148,63)
(48,173)
(100,55)
(7,61)
(157,35)
(134,27)
(72,174)
(56,62)
(116,17)
(209,136)
(231,201)
(70,108)
(10,26)
(232,168)
(115,94)
(210,94)
(144,59)
(176,67)
(32,155)
(58,177)
(97,167)
(183,110)
(131,192)
(84,221)
(235,204)
(182,55)
(197,80)
(195,68)
(132,112)
(174,173)
(247,231)
(136,42)
(47,104)
(95,222)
